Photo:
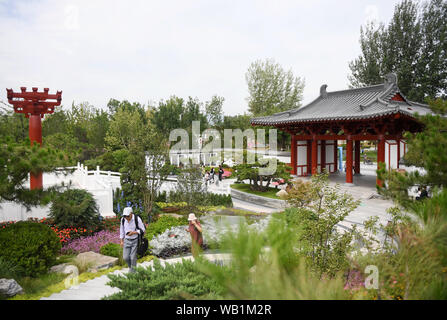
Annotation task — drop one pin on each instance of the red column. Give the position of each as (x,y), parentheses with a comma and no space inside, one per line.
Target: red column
(314,156)
(357,157)
(380,156)
(293,154)
(398,152)
(309,157)
(35,135)
(348,160)
(336,155)
(323,155)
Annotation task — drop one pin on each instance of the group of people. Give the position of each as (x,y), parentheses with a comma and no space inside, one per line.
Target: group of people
(209,175)
(132,230)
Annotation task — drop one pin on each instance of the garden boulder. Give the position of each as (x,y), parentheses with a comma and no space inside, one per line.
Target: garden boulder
(10,287)
(97,261)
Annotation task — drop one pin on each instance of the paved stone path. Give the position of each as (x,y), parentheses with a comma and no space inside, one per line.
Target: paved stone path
(97,288)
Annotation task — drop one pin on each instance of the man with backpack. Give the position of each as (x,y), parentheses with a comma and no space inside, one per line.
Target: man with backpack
(131,233)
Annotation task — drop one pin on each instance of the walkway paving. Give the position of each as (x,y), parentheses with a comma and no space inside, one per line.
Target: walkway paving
(97,288)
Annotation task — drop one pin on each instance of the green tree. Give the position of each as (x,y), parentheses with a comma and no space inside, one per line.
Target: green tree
(413,45)
(316,210)
(214,112)
(17,160)
(272,89)
(424,151)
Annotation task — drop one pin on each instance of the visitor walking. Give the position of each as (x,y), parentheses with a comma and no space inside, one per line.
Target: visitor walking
(221,172)
(130,231)
(195,229)
(212,173)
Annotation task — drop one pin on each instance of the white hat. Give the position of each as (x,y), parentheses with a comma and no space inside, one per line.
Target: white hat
(127,211)
(192,217)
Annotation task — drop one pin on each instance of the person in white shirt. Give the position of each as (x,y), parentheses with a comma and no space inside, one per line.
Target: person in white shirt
(129,234)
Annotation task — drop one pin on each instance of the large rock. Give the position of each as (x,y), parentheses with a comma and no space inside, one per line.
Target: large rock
(97,261)
(282,194)
(64,268)
(9,287)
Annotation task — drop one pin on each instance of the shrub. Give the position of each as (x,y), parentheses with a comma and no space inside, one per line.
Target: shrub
(31,247)
(75,208)
(177,281)
(111,249)
(7,269)
(162,224)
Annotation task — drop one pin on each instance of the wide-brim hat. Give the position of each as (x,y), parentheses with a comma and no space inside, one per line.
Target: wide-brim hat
(192,217)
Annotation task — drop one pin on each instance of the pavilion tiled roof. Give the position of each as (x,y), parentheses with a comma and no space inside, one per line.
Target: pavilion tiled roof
(352,104)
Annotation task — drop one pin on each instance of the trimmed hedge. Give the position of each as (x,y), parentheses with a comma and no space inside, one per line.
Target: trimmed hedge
(31,247)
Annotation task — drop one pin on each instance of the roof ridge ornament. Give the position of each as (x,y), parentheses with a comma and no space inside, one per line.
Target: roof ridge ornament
(391,79)
(323,92)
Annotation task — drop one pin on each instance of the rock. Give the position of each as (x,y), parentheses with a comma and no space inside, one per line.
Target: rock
(64,268)
(97,261)
(165,246)
(10,287)
(282,194)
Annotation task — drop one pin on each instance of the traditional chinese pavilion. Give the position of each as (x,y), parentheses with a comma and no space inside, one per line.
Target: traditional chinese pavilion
(380,113)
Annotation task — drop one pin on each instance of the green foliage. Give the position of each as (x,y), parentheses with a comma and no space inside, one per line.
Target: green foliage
(111,249)
(266,266)
(258,181)
(423,151)
(272,89)
(316,210)
(190,185)
(7,269)
(203,199)
(17,160)
(31,247)
(412,45)
(74,208)
(162,224)
(171,282)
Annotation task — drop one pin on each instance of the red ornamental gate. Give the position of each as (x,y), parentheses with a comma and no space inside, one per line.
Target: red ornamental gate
(34,105)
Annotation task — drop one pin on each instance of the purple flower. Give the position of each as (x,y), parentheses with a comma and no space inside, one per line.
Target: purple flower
(91,243)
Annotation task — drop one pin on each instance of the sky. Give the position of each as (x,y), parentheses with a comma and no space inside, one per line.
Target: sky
(146,51)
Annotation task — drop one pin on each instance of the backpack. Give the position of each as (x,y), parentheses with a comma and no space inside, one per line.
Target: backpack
(143,243)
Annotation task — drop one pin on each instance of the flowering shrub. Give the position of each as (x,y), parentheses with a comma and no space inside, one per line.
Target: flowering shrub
(91,243)
(68,234)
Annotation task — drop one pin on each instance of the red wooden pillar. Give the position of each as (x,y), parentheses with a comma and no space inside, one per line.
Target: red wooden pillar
(35,135)
(398,152)
(336,155)
(314,156)
(380,156)
(293,154)
(357,157)
(349,160)
(309,157)
(323,156)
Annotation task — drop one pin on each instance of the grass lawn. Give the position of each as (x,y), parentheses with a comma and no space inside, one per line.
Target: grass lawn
(270,193)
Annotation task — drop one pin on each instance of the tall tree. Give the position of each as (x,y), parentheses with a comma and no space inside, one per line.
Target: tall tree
(271,88)
(413,45)
(214,112)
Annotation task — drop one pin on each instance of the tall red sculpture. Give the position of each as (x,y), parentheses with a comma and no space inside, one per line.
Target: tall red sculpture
(34,105)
